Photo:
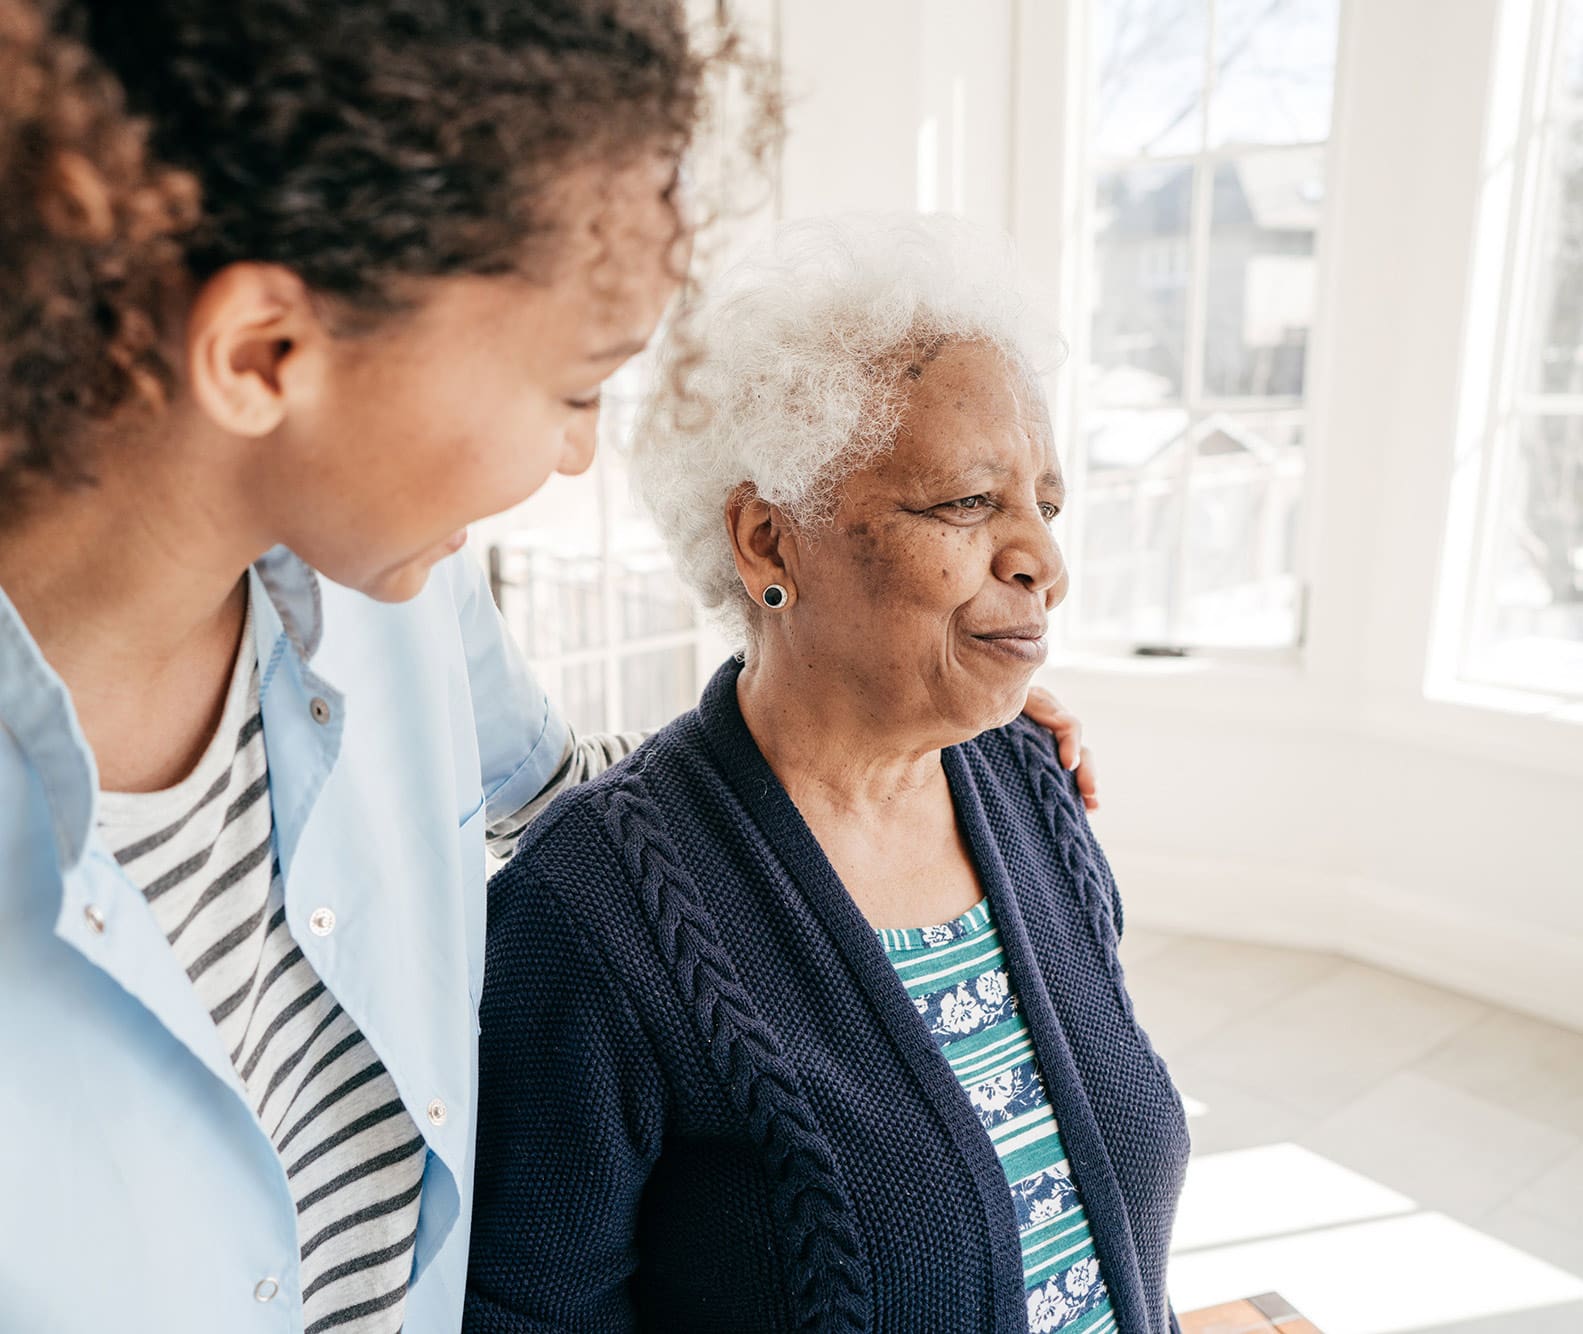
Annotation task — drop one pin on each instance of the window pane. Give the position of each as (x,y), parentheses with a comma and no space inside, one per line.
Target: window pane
(1265,214)
(650,599)
(1133,443)
(552,597)
(1148,62)
(1201,302)
(1240,583)
(581,698)
(1141,281)
(1275,67)
(655,687)
(1559,276)
(1129,524)
(1570,74)
(1534,629)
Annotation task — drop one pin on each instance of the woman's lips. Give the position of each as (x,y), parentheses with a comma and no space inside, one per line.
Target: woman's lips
(1023,643)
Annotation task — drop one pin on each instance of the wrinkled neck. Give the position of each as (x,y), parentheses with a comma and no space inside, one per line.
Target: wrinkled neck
(825,742)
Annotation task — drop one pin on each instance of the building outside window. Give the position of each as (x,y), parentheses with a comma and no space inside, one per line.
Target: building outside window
(1208,122)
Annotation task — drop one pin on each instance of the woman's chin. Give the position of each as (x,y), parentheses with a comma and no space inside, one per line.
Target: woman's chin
(1009,712)
(402,586)
(398,583)
(404,580)
(986,706)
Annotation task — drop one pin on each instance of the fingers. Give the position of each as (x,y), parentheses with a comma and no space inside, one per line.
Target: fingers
(1046,710)
(1071,748)
(1088,780)
(1043,707)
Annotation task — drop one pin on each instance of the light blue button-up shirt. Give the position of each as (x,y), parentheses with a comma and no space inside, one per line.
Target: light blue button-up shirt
(138,1191)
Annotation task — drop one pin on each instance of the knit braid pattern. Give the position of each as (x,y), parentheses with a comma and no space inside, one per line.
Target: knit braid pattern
(829,1274)
(1057,798)
(1137,1158)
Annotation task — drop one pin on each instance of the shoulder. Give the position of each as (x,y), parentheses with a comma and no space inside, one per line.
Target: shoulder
(1021,752)
(1017,771)
(1041,808)
(664,772)
(600,891)
(590,847)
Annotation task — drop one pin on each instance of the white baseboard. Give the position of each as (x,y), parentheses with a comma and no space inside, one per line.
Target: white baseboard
(1532,968)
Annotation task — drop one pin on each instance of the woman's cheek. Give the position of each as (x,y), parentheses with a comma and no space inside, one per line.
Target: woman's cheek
(964,559)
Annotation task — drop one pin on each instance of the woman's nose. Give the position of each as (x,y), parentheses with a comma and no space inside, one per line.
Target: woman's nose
(582,439)
(1032,557)
(1056,593)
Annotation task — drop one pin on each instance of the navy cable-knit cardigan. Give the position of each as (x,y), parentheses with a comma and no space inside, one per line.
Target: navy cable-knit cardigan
(707,1103)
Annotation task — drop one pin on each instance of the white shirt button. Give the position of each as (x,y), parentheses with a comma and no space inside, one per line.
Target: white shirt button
(266,1289)
(322,921)
(320,710)
(94,918)
(437,1112)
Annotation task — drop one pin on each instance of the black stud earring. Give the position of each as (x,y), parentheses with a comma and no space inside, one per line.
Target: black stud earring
(774,597)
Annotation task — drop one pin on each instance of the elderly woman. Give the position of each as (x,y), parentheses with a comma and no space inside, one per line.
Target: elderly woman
(809,1015)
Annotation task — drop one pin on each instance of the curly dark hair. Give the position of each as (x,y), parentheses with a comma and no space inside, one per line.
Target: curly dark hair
(358,143)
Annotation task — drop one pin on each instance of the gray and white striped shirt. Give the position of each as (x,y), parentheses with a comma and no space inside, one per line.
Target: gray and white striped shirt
(202,853)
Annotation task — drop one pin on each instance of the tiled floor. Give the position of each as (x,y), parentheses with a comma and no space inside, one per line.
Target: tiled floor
(1390,1157)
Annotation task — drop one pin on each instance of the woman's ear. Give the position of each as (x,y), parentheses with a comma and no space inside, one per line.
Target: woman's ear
(761,542)
(250,332)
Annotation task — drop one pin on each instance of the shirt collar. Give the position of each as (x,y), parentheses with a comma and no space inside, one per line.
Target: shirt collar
(36,707)
(293,590)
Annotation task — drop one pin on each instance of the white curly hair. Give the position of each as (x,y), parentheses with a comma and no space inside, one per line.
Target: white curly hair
(791,373)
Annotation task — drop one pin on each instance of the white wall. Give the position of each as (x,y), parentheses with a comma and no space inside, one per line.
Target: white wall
(874,86)
(1326,803)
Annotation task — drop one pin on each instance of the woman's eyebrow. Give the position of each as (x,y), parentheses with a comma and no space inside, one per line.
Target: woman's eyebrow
(967,476)
(979,472)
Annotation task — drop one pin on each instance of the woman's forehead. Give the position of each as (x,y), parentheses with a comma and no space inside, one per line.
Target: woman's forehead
(973,408)
(964,463)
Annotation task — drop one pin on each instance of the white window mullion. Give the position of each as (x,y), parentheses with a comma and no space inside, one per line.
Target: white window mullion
(1514,338)
(1197,333)
(1075,274)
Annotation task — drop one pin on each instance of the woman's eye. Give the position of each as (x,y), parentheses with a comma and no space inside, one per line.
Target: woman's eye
(583,404)
(1049,510)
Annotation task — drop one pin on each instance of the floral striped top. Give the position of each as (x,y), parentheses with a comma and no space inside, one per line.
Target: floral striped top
(957,978)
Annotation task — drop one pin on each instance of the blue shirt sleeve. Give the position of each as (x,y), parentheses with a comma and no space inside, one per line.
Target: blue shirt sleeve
(522,740)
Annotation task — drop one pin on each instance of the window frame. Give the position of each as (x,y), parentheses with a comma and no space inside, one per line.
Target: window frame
(1063,200)
(1465,619)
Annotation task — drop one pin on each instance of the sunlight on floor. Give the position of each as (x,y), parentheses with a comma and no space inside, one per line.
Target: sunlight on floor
(1354,1256)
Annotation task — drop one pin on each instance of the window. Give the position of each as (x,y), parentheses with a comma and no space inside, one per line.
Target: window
(1523,624)
(587,588)
(1207,125)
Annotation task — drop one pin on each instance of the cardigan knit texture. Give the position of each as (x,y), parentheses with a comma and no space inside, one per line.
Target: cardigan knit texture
(708,1105)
